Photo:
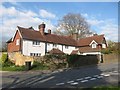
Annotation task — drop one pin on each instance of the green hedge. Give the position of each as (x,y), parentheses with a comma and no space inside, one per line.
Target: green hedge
(81,60)
(5,61)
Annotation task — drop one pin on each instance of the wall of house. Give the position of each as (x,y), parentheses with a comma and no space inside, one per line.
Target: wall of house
(61,47)
(11,47)
(69,50)
(28,48)
(50,47)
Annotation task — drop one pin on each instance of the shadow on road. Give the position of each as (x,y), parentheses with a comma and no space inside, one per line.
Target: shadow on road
(84,77)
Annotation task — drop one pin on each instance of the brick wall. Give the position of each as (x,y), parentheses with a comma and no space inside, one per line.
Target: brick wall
(108,58)
(12,45)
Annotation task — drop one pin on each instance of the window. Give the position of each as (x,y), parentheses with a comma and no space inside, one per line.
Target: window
(54,45)
(36,43)
(93,45)
(66,47)
(35,54)
(18,42)
(103,45)
(48,44)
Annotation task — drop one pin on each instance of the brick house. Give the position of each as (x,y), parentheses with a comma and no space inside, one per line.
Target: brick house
(31,42)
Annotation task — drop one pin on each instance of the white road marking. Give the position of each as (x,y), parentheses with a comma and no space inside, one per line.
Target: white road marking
(106,75)
(115,71)
(75,83)
(96,75)
(87,77)
(44,80)
(79,79)
(93,79)
(70,81)
(84,81)
(100,77)
(102,74)
(59,84)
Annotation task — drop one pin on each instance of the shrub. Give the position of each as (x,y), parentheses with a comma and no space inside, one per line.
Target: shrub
(106,51)
(71,59)
(38,66)
(4,58)
(5,61)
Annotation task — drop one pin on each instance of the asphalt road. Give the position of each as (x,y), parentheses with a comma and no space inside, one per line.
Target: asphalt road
(87,76)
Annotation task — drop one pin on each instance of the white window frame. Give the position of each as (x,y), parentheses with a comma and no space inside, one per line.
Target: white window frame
(35,43)
(54,45)
(94,45)
(18,42)
(35,54)
(66,47)
(103,45)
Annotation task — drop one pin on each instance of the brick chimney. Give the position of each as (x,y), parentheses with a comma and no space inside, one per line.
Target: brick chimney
(42,28)
(75,36)
(49,31)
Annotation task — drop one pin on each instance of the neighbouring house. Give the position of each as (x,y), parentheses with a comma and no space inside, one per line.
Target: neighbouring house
(31,42)
(92,45)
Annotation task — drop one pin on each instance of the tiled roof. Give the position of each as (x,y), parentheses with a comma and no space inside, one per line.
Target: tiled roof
(74,52)
(88,49)
(56,51)
(32,34)
(86,41)
(52,38)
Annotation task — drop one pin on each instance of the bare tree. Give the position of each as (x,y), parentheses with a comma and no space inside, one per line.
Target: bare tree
(73,23)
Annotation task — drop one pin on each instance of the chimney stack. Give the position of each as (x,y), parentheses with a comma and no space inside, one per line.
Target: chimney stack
(95,34)
(42,28)
(75,36)
(49,31)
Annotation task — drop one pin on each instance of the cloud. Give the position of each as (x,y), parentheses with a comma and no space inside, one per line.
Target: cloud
(110,30)
(45,14)
(13,18)
(106,27)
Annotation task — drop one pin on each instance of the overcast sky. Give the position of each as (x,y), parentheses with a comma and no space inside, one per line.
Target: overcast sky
(102,16)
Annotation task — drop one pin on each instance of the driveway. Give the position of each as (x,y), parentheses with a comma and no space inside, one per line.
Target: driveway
(86,76)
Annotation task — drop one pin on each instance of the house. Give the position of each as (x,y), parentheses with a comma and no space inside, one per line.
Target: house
(31,42)
(92,45)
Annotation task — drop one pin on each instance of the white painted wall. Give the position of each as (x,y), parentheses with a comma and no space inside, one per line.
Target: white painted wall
(65,50)
(28,48)
(69,50)
(50,47)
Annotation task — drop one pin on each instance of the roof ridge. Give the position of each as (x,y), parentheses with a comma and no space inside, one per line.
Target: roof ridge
(92,36)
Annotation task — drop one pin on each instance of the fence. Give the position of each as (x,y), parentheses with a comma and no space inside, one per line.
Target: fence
(108,58)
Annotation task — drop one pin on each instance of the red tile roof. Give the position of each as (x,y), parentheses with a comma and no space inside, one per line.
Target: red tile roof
(88,49)
(56,51)
(32,34)
(86,41)
(52,38)
(74,52)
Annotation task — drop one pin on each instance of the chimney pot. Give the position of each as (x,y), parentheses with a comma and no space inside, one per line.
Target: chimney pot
(49,31)
(42,28)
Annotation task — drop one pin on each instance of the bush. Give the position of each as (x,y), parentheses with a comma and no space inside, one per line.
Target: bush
(54,56)
(5,61)
(4,58)
(38,66)
(71,59)
(106,51)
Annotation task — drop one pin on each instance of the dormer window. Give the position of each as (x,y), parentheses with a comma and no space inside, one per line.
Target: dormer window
(93,45)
